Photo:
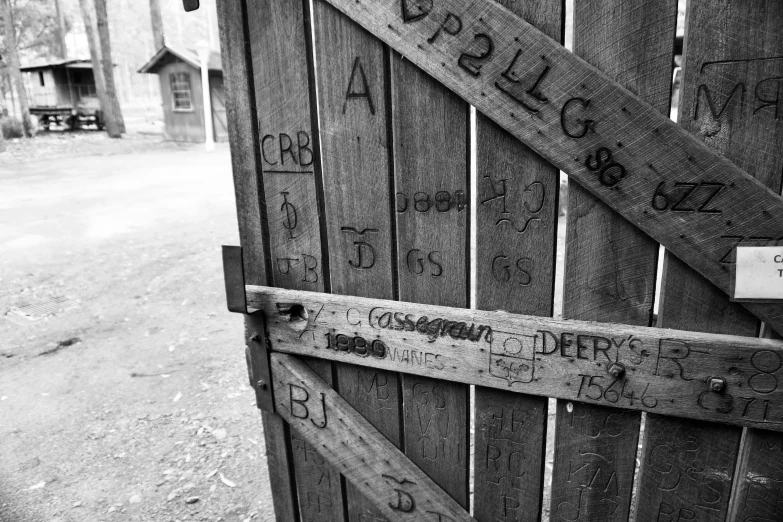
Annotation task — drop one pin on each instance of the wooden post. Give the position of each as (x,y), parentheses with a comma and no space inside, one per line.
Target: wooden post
(251,216)
(516,236)
(107,65)
(203,48)
(107,108)
(610,264)
(431,166)
(353,86)
(156,18)
(61,31)
(290,160)
(13,65)
(721,51)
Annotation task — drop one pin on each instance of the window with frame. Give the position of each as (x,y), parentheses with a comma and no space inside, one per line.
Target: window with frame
(180,91)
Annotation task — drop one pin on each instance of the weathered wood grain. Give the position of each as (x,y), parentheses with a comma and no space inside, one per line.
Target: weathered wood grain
(290,162)
(617,147)
(517,204)
(686,469)
(610,264)
(665,371)
(352,74)
(510,447)
(722,48)
(593,443)
(759,478)
(289,157)
(279,461)
(431,209)
(344,438)
(318,482)
(516,231)
(243,133)
(243,136)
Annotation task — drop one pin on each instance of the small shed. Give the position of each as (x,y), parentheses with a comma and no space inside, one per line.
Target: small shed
(61,83)
(179,72)
(63,92)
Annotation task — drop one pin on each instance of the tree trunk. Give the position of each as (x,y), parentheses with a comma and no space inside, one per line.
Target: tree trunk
(5,90)
(100,85)
(13,64)
(61,29)
(157,24)
(108,67)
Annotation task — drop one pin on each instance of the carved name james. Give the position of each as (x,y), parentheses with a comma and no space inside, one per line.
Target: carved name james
(663,371)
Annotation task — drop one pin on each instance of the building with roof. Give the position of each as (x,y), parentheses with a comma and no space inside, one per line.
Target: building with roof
(63,91)
(179,73)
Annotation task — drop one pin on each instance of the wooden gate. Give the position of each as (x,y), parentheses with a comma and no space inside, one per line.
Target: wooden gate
(396,172)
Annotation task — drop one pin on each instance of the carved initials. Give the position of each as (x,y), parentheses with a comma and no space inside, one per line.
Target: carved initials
(534,91)
(405,502)
(413,10)
(365,252)
(298,407)
(352,93)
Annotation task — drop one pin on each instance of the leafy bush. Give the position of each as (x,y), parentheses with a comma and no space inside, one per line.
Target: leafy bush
(11,127)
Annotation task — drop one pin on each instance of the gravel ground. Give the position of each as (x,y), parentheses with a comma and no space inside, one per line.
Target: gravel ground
(128,400)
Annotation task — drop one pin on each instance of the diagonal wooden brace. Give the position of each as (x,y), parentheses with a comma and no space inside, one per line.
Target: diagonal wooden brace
(342,436)
(613,144)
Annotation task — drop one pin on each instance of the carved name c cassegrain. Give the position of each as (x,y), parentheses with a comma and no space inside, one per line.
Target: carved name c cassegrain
(651,369)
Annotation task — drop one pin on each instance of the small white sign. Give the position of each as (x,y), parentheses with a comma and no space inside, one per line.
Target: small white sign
(759,273)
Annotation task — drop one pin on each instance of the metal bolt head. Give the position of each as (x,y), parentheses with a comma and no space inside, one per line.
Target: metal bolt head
(616,369)
(717,384)
(261,385)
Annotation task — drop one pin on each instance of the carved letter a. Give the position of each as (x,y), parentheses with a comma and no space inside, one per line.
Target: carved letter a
(352,94)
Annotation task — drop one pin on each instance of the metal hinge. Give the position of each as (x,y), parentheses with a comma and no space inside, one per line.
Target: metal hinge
(257,344)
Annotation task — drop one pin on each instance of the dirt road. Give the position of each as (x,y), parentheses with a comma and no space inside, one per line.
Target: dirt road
(132,403)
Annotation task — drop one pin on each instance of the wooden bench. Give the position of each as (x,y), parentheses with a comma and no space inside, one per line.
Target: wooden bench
(396,171)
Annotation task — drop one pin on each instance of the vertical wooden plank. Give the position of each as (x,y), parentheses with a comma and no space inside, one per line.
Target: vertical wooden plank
(686,469)
(352,72)
(243,135)
(431,181)
(610,265)
(731,99)
(516,235)
(758,495)
(279,38)
(243,139)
